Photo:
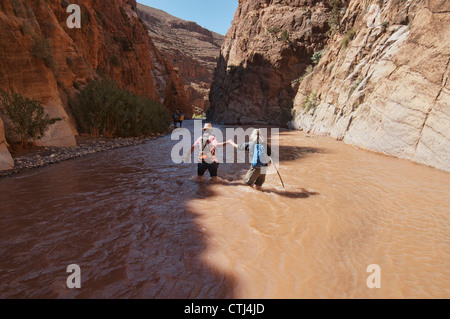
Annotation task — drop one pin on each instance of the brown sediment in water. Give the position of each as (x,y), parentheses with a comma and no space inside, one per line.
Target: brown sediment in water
(140,227)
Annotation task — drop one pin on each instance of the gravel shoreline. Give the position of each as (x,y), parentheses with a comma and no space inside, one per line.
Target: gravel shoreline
(45,156)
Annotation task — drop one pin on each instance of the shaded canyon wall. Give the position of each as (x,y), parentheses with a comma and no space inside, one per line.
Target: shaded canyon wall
(268,46)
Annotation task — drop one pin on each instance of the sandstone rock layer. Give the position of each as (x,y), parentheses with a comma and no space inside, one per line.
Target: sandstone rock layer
(42,58)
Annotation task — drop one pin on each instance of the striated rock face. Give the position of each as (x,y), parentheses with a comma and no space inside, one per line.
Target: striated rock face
(373,74)
(191,49)
(41,58)
(388,89)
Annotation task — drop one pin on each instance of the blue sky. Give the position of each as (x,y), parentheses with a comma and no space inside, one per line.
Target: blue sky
(215,15)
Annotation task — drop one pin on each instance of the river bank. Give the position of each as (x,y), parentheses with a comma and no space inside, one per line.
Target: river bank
(37,157)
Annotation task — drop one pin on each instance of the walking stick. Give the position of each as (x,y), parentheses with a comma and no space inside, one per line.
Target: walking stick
(279,175)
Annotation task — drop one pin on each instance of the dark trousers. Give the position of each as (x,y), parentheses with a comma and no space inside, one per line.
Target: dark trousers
(255,176)
(210,167)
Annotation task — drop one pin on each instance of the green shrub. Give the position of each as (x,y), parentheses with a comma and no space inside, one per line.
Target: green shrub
(42,49)
(330,69)
(274,30)
(336,15)
(27,117)
(316,57)
(285,36)
(348,38)
(354,87)
(102,108)
(311,102)
(199,116)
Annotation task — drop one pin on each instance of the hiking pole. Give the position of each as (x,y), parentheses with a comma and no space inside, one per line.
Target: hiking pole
(279,175)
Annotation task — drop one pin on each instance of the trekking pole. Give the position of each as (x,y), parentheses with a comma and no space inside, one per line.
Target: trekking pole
(279,175)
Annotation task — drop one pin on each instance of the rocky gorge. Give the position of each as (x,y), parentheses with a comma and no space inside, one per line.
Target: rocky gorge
(190,48)
(131,220)
(42,58)
(371,73)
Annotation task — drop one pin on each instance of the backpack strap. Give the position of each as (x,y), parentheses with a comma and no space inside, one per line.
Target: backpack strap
(205,144)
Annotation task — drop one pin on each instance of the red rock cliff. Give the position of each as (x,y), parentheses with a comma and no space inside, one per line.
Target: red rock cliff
(41,58)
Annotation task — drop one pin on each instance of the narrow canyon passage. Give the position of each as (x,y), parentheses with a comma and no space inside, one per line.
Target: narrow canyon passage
(140,226)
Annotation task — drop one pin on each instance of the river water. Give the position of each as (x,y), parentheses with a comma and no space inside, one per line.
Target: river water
(140,226)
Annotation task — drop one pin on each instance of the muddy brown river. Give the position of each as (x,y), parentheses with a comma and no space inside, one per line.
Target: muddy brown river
(140,226)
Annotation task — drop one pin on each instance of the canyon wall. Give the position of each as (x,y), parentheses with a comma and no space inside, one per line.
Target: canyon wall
(6,161)
(191,49)
(268,46)
(387,90)
(43,59)
(371,73)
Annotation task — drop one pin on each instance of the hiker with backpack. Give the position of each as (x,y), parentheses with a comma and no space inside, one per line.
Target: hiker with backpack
(177,117)
(259,153)
(207,145)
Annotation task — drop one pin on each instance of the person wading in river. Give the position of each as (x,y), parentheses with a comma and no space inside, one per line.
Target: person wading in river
(207,145)
(259,153)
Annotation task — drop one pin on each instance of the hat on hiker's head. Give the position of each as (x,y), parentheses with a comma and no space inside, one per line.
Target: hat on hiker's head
(208,126)
(257,136)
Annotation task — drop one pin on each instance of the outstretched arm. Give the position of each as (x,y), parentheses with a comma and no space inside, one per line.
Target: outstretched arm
(221,144)
(232,143)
